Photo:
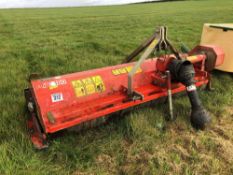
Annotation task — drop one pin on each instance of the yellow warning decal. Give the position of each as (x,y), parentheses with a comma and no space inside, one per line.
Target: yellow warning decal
(79,88)
(88,86)
(124,70)
(99,84)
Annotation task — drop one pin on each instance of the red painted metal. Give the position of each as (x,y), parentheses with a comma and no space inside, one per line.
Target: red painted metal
(217,51)
(68,100)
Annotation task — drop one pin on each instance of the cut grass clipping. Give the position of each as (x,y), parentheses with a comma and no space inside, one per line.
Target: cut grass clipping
(64,40)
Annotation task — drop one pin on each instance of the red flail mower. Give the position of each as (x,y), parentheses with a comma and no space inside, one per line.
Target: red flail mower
(90,97)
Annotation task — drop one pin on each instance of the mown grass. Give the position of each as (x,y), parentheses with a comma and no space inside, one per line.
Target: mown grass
(64,40)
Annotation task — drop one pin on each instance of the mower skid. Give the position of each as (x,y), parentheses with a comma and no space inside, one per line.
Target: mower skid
(37,136)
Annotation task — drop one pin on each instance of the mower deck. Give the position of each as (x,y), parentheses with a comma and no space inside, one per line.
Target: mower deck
(72,111)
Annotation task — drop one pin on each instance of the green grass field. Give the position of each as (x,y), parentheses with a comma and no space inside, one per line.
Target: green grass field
(64,40)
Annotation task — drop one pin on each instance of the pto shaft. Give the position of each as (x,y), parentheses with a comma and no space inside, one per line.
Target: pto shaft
(183,71)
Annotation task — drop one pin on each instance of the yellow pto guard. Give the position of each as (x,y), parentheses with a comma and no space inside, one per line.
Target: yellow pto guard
(220,35)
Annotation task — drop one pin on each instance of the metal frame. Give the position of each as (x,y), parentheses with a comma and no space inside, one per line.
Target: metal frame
(159,42)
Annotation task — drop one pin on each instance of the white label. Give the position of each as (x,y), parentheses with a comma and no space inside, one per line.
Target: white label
(52,84)
(191,88)
(57,97)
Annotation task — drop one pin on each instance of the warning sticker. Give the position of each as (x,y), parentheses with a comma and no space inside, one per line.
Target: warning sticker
(79,88)
(88,86)
(99,84)
(124,70)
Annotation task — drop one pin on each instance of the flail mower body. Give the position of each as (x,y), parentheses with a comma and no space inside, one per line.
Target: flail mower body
(61,102)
